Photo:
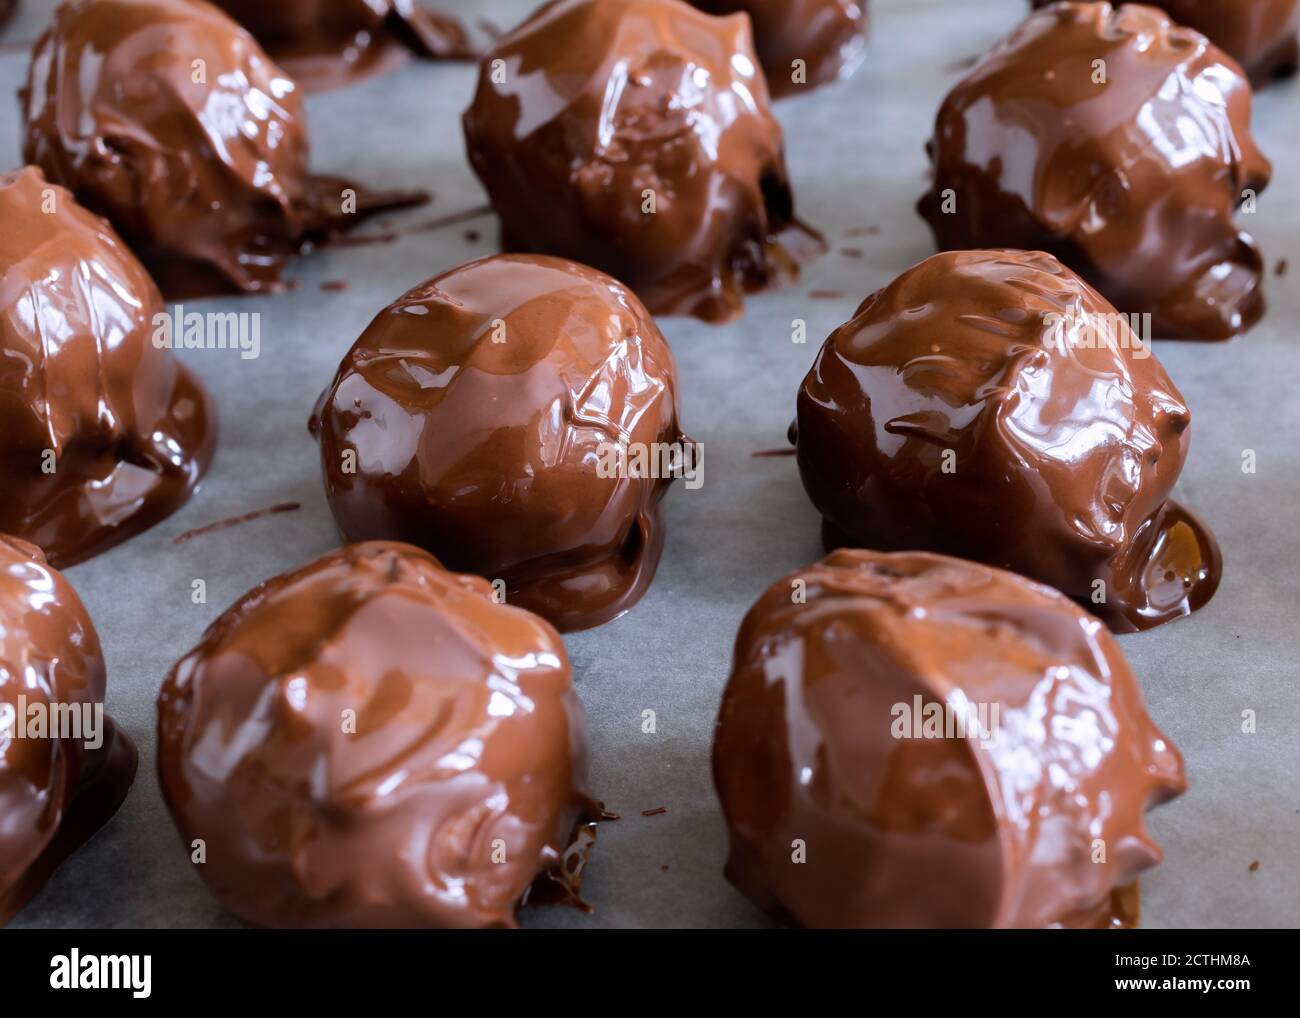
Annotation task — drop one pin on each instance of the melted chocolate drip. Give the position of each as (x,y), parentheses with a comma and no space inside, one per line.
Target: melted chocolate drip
(1119,142)
(971,408)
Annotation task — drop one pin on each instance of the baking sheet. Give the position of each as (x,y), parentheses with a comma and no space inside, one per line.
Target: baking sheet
(855,152)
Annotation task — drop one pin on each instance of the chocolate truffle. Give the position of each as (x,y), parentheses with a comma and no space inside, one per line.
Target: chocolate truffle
(1120,143)
(1261,35)
(102,434)
(325,43)
(7,8)
(372,741)
(166,117)
(801,43)
(514,417)
(65,768)
(990,404)
(636,136)
(910,740)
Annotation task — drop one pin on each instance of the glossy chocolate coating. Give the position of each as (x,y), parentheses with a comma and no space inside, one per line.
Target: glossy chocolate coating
(603,106)
(325,43)
(371,740)
(485,452)
(207,180)
(900,831)
(56,791)
(949,415)
(829,36)
(1261,35)
(1131,183)
(101,433)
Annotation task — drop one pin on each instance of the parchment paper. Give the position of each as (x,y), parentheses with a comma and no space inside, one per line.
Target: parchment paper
(855,152)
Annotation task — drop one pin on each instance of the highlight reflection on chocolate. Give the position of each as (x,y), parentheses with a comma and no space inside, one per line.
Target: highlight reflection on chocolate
(947,745)
(65,767)
(101,434)
(991,405)
(167,118)
(636,136)
(472,418)
(1261,35)
(325,43)
(372,741)
(801,43)
(1131,181)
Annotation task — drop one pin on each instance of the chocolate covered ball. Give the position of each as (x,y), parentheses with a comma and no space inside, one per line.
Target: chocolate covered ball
(167,118)
(801,43)
(102,434)
(910,740)
(514,416)
(65,767)
(992,405)
(324,43)
(1119,142)
(1261,35)
(373,741)
(636,136)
